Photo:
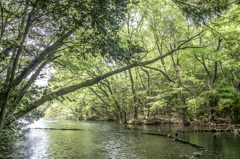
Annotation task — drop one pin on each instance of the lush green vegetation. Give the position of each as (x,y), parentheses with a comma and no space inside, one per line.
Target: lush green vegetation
(120,60)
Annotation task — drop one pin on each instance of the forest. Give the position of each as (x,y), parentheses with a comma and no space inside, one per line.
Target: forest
(135,62)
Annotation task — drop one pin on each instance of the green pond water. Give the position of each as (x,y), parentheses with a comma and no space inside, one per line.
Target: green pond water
(107,140)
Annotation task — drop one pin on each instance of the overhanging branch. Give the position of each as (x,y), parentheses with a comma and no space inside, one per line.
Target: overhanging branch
(93,81)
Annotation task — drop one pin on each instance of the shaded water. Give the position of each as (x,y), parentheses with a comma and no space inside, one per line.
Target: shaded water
(106,140)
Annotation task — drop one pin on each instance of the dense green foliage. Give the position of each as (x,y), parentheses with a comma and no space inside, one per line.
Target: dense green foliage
(136,60)
(197,83)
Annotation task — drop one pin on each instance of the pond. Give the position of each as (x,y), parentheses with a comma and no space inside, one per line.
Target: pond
(110,140)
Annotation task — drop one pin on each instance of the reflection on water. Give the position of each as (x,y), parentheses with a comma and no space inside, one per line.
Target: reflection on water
(105,140)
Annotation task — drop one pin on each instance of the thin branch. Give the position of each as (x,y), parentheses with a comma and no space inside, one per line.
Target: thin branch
(65,67)
(98,96)
(4,68)
(194,47)
(167,77)
(186,41)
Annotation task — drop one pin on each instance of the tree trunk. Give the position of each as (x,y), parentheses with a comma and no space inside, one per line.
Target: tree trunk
(4,106)
(134,96)
(148,92)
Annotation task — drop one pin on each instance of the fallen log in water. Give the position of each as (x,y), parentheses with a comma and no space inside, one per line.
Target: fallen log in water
(195,155)
(212,130)
(57,128)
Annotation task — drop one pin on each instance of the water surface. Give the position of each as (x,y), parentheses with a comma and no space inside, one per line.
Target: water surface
(108,140)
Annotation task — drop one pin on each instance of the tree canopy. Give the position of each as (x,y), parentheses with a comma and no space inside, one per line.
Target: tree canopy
(120,60)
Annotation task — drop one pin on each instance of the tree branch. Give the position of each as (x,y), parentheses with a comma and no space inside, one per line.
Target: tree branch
(168,78)
(40,58)
(91,82)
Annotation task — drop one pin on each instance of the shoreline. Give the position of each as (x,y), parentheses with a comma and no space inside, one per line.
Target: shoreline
(163,122)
